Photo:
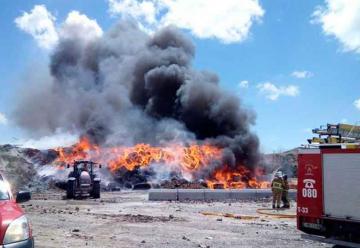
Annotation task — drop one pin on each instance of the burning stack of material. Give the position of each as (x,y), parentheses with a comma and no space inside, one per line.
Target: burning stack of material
(137,104)
(171,166)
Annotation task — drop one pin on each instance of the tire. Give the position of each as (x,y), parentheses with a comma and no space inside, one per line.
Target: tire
(70,190)
(96,190)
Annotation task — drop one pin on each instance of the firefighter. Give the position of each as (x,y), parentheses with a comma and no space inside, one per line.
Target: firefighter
(277,186)
(285,193)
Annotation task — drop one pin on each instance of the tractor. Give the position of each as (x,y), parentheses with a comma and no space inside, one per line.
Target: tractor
(82,181)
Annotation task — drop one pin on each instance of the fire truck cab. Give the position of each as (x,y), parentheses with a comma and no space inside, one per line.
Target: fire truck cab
(328,196)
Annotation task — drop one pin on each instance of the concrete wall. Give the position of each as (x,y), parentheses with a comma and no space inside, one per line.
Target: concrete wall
(211,194)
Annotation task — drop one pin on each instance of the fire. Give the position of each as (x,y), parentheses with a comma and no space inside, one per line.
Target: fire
(241,178)
(142,155)
(79,151)
(188,159)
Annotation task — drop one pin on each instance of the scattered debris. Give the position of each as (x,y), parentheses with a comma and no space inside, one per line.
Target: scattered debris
(175,183)
(185,238)
(142,223)
(142,186)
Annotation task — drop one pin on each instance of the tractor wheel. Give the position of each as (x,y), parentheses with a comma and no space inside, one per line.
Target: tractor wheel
(96,190)
(70,190)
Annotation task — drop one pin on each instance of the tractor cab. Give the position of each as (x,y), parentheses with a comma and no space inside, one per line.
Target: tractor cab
(83,181)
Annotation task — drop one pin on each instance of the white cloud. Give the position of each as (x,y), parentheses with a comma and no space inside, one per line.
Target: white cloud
(357,104)
(39,23)
(145,10)
(244,84)
(340,19)
(228,20)
(273,92)
(80,26)
(3,119)
(302,74)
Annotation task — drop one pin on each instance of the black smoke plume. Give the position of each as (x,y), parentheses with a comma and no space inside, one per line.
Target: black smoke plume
(127,87)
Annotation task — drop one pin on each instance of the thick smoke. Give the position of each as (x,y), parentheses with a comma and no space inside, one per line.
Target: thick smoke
(127,87)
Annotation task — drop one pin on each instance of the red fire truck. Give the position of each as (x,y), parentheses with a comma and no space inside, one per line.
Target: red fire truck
(328,197)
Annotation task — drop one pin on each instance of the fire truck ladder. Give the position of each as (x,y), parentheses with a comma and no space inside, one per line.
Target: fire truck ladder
(336,133)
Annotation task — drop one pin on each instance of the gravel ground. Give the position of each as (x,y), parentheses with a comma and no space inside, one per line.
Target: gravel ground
(128,219)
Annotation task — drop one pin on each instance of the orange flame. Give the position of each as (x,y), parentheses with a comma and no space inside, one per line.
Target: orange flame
(188,159)
(241,178)
(79,151)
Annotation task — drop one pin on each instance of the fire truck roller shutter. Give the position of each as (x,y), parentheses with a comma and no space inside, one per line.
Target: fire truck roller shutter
(341,175)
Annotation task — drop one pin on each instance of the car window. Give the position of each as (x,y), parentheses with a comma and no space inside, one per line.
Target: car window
(4,193)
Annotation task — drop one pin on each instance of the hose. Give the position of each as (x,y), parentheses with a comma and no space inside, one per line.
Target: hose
(276,215)
(262,211)
(229,215)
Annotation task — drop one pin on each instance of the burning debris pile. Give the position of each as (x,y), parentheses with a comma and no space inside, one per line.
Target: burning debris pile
(173,161)
(138,105)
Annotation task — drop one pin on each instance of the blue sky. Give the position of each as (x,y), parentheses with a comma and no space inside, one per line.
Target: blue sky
(283,38)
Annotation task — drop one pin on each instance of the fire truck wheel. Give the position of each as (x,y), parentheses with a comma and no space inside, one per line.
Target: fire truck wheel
(96,190)
(329,231)
(70,190)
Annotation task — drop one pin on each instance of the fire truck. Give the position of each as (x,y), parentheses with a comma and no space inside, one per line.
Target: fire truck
(328,196)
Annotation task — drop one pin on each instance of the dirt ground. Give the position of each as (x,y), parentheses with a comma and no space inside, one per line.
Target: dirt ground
(128,219)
